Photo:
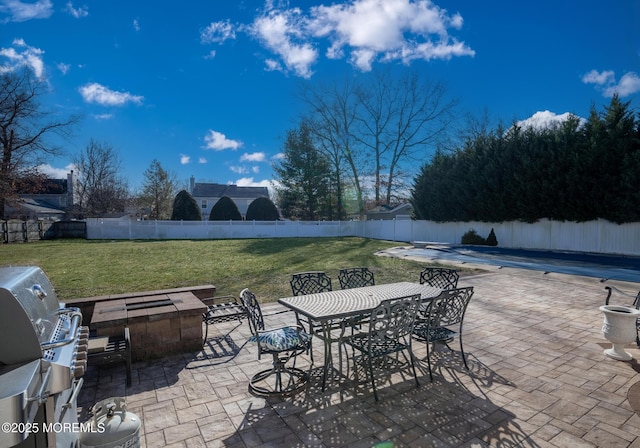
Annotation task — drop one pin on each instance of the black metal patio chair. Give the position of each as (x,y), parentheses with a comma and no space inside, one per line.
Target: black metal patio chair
(433,322)
(355,278)
(440,278)
(283,344)
(309,282)
(389,332)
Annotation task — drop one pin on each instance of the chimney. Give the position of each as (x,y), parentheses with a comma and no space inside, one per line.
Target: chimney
(71,191)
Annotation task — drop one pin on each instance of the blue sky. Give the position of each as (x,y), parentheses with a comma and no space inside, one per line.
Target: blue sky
(208,87)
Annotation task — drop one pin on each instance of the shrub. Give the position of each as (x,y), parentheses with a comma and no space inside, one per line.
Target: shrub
(472,237)
(185,208)
(491,239)
(224,210)
(262,209)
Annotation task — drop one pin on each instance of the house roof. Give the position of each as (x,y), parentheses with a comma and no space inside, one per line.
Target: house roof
(38,206)
(232,191)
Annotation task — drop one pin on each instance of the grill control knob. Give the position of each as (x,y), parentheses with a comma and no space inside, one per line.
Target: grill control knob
(80,368)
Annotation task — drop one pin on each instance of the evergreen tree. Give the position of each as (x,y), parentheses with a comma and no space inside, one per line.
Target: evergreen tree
(225,210)
(185,208)
(158,191)
(304,177)
(262,209)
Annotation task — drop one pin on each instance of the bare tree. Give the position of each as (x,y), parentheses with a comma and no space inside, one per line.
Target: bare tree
(100,186)
(158,191)
(24,128)
(398,119)
(332,120)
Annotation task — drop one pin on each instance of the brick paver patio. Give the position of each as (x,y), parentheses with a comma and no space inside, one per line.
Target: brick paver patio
(538,378)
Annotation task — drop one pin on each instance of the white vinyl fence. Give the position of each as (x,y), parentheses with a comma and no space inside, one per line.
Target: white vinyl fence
(594,236)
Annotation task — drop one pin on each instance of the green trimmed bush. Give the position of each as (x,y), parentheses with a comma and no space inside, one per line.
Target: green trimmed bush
(225,210)
(262,209)
(185,208)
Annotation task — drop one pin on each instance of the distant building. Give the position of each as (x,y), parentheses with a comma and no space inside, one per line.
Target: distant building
(53,200)
(401,211)
(207,195)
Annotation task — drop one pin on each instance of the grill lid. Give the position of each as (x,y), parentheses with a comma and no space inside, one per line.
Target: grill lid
(28,313)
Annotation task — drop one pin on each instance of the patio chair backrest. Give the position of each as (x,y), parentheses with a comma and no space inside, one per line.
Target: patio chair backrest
(449,307)
(440,278)
(310,283)
(254,312)
(393,319)
(636,302)
(355,278)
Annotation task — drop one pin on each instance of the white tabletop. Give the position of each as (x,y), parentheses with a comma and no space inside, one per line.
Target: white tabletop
(350,302)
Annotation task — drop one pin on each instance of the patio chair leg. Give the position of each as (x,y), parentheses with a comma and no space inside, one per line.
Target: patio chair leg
(464,359)
(296,379)
(429,361)
(373,379)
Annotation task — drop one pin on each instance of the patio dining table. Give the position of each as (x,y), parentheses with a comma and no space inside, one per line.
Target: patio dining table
(327,308)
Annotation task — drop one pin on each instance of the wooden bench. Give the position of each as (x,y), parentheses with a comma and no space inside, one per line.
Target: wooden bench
(221,309)
(111,350)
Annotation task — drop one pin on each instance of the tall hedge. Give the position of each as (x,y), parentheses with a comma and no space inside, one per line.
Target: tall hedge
(262,209)
(185,208)
(571,172)
(225,210)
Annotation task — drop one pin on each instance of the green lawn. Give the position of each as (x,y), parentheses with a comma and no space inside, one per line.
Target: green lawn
(80,268)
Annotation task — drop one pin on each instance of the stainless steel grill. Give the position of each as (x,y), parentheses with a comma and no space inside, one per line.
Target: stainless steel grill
(43,356)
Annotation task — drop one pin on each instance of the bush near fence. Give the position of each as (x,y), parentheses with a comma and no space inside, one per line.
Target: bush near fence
(18,231)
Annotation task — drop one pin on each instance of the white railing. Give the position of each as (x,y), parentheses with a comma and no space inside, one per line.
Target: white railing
(594,236)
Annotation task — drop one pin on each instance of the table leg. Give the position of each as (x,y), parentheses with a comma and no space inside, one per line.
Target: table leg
(328,356)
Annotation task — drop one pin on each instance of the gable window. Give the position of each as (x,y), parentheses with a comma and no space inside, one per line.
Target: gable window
(204,203)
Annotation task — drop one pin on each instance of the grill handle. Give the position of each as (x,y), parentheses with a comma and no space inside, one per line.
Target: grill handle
(74,396)
(76,320)
(43,393)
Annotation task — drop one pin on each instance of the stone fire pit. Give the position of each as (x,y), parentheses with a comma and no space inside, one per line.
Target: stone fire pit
(160,324)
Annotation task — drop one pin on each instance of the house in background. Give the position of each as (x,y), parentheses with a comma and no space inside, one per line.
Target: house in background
(52,201)
(401,211)
(207,195)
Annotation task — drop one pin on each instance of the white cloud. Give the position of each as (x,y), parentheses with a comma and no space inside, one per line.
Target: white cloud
(396,30)
(545,119)
(218,32)
(253,157)
(82,11)
(628,85)
(249,182)
(599,78)
(101,117)
(64,68)
(219,142)
(202,160)
(136,25)
(282,33)
(99,94)
(255,169)
(22,55)
(210,55)
(19,11)
(185,159)
(605,81)
(278,156)
(55,173)
(238,169)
